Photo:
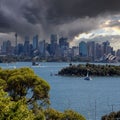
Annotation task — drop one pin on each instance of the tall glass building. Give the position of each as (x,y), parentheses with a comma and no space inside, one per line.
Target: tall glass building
(83,52)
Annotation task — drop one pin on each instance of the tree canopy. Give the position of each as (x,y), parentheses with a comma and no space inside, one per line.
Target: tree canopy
(19,83)
(52,114)
(25,96)
(11,110)
(111,116)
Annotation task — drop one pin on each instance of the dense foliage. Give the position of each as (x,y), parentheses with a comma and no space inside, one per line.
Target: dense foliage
(19,82)
(52,114)
(25,96)
(11,110)
(94,70)
(112,116)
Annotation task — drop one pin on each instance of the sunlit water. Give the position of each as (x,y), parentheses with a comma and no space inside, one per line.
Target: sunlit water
(90,98)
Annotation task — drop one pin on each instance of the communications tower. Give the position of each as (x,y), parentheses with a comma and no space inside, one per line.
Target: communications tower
(16,43)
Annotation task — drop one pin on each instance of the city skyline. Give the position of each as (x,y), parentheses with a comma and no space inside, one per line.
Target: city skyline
(76,19)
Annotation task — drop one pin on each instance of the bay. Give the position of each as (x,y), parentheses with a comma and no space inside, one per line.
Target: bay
(90,98)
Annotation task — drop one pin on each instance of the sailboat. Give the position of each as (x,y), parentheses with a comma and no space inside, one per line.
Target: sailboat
(87,77)
(34,63)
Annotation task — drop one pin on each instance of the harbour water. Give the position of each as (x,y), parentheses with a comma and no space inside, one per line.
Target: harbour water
(91,98)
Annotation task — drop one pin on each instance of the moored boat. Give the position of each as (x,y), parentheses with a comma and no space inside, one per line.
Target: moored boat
(87,77)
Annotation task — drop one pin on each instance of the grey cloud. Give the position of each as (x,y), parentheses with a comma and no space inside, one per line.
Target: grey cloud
(100,39)
(80,8)
(114,23)
(29,17)
(3,22)
(78,26)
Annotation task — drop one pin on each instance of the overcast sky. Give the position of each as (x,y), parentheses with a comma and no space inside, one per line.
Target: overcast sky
(76,19)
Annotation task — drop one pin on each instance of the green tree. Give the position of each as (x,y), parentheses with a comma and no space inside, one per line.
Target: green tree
(24,83)
(111,116)
(52,114)
(11,110)
(72,115)
(28,94)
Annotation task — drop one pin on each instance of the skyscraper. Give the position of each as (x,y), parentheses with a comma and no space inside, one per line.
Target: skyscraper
(6,47)
(91,49)
(15,39)
(53,46)
(105,47)
(83,51)
(63,42)
(98,51)
(27,46)
(16,48)
(35,42)
(42,48)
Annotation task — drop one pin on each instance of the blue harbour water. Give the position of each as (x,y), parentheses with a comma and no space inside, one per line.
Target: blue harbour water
(91,98)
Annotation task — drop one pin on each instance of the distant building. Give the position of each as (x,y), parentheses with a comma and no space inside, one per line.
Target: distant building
(105,47)
(91,50)
(20,49)
(6,48)
(63,43)
(35,42)
(58,49)
(118,53)
(64,46)
(75,51)
(53,44)
(27,46)
(110,50)
(98,51)
(83,51)
(42,48)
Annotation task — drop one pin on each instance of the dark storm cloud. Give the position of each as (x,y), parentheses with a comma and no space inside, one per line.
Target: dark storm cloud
(59,11)
(69,17)
(81,8)
(3,22)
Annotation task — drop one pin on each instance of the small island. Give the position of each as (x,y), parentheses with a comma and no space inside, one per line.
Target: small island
(94,70)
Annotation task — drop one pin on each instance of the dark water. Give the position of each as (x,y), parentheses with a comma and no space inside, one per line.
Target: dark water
(90,98)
